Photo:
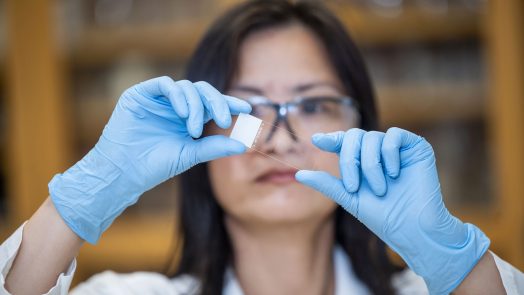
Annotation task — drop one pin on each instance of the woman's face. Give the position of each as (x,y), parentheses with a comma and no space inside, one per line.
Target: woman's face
(280,64)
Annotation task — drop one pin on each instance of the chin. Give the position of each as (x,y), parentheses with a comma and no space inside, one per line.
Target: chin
(279,208)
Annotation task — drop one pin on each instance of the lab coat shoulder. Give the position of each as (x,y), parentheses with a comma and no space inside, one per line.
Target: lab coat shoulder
(111,283)
(512,278)
(108,282)
(409,283)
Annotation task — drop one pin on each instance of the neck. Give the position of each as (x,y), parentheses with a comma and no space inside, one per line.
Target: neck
(283,259)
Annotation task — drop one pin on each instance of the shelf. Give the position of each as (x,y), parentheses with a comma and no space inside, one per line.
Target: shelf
(424,104)
(131,243)
(91,115)
(99,46)
(414,25)
(176,41)
(4,231)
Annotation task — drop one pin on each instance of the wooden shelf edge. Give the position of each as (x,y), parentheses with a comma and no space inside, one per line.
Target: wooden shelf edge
(424,104)
(146,240)
(414,25)
(176,41)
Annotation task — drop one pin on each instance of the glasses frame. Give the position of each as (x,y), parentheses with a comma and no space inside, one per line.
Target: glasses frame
(282,110)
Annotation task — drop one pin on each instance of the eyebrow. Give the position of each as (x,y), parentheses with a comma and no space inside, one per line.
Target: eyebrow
(309,86)
(296,89)
(249,89)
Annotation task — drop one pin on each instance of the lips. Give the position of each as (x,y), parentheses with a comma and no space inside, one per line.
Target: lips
(277,176)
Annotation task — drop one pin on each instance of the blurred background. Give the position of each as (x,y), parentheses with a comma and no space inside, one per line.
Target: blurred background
(450,70)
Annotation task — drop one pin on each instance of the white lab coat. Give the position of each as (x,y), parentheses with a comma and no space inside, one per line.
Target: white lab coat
(111,283)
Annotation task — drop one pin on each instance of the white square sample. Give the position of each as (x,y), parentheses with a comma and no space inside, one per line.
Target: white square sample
(246,129)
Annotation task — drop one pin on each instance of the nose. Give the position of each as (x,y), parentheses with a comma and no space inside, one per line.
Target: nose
(277,139)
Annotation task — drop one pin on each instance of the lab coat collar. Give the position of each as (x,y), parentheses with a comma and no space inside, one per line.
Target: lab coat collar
(346,282)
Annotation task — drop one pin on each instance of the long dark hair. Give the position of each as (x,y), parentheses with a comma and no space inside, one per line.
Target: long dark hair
(206,251)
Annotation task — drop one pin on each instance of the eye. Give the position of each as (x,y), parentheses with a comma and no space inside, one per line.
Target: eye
(258,105)
(256,110)
(313,106)
(263,111)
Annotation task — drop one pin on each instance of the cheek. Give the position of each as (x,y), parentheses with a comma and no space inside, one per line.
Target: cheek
(228,180)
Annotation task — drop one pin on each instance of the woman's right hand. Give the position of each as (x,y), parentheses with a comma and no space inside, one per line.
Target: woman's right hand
(149,138)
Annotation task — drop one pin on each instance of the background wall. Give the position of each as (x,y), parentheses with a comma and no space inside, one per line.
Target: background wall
(450,70)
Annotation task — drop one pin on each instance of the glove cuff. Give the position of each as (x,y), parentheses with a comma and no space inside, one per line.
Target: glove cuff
(86,196)
(455,263)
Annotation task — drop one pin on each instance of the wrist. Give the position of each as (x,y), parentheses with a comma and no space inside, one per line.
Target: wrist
(484,278)
(445,266)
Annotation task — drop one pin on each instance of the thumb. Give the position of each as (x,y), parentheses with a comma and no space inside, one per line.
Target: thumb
(208,148)
(331,187)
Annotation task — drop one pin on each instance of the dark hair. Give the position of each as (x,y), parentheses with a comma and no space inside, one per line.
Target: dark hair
(206,250)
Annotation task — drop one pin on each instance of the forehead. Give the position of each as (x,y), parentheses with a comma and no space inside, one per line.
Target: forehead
(283,58)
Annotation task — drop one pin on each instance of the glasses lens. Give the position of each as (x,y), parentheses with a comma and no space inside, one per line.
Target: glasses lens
(264,111)
(323,114)
(305,117)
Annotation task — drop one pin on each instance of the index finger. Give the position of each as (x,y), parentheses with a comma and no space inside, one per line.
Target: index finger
(165,87)
(237,105)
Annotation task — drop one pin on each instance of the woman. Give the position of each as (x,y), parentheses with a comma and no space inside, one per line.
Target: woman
(248,225)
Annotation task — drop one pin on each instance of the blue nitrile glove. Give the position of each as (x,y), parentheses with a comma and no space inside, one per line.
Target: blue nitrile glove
(148,139)
(390,183)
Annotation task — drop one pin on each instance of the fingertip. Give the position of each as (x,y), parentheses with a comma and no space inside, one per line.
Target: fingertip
(329,142)
(391,151)
(372,162)
(391,165)
(227,122)
(194,128)
(194,134)
(178,100)
(237,105)
(317,137)
(381,190)
(223,121)
(351,185)
(236,146)
(226,119)
(244,107)
(394,173)
(302,175)
(180,107)
(213,147)
(182,112)
(222,113)
(243,110)
(350,160)
(377,182)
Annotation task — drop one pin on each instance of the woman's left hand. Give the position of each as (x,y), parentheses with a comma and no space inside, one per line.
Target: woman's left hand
(389,182)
